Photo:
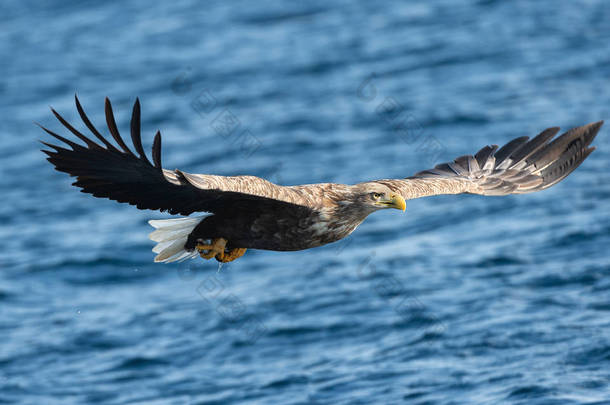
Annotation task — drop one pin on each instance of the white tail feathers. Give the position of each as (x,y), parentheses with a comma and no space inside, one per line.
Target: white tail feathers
(171,235)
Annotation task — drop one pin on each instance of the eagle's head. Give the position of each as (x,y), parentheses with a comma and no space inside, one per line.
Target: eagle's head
(372,196)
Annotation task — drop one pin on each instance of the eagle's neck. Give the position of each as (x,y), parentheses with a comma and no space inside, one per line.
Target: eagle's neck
(346,213)
(336,210)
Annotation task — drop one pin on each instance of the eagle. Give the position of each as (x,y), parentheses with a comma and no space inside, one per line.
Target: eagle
(248,212)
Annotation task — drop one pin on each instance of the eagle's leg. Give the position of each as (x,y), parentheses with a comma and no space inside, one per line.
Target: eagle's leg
(216,249)
(231,255)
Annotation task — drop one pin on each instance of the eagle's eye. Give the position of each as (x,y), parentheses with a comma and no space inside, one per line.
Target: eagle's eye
(376,196)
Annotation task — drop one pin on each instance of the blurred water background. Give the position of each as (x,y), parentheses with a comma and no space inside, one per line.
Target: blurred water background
(463,299)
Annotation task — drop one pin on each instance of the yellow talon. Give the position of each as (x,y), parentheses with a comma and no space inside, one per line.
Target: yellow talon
(208,255)
(218,250)
(201,246)
(232,255)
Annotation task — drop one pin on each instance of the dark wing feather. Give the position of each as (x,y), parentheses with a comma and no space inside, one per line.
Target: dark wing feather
(538,143)
(107,172)
(506,150)
(89,125)
(156,150)
(136,137)
(520,166)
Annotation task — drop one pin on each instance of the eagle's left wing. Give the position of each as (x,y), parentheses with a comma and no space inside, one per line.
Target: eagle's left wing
(520,166)
(117,173)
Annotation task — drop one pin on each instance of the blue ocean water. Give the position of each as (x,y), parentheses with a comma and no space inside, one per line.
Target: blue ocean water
(462,299)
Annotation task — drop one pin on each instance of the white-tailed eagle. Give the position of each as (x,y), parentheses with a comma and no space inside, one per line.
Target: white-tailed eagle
(248,212)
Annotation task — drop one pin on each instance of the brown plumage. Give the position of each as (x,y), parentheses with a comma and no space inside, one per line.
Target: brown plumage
(250,212)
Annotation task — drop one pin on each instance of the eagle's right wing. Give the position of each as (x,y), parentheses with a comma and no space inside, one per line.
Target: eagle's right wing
(521,166)
(118,174)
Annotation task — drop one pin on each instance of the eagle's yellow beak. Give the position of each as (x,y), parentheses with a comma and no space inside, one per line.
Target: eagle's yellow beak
(395,201)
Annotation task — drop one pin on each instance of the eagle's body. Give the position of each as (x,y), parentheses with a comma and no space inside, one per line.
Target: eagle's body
(310,216)
(248,212)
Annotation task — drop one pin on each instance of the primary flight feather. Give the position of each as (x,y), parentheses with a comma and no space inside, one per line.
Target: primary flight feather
(248,212)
